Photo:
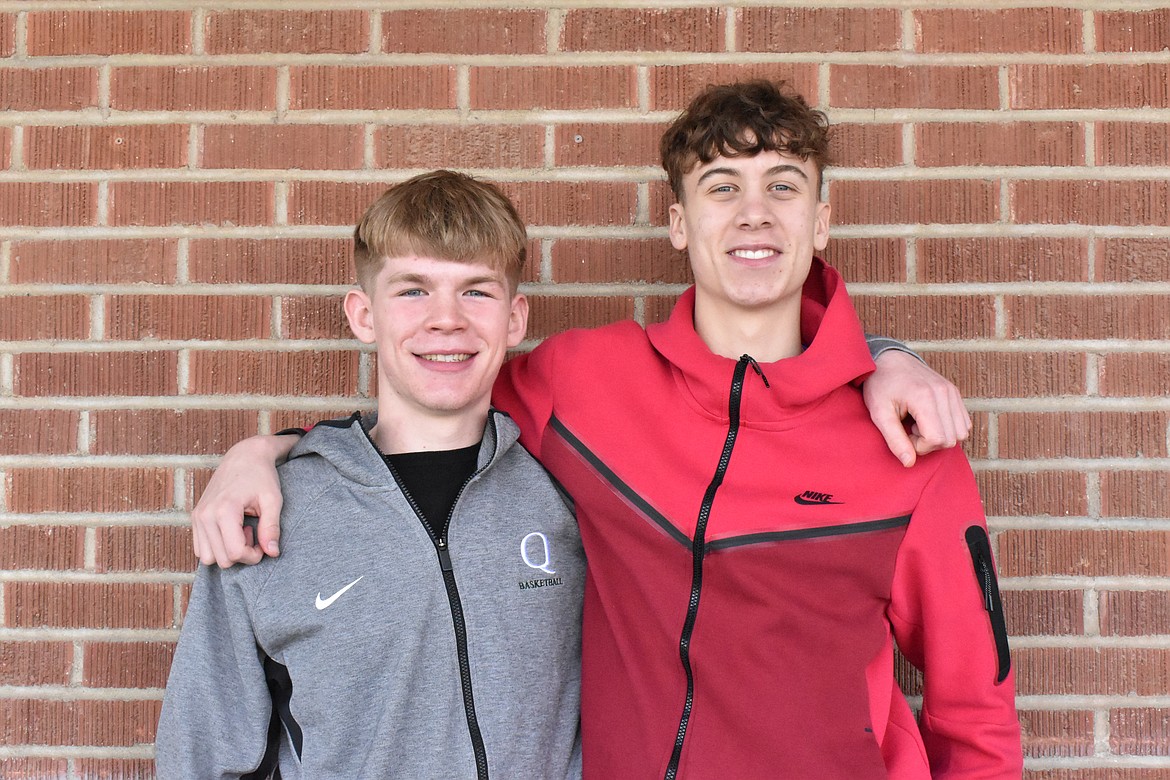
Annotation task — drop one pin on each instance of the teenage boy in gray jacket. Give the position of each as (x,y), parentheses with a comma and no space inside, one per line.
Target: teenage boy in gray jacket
(424,617)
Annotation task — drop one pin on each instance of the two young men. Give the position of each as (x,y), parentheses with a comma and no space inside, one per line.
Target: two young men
(754,548)
(424,619)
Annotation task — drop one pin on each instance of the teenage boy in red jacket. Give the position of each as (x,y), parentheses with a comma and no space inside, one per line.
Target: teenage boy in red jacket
(754,548)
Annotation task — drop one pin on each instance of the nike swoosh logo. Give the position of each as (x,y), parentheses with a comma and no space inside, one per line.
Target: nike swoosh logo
(322,603)
(808,502)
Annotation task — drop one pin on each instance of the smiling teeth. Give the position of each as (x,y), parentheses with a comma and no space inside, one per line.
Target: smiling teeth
(753,254)
(447,358)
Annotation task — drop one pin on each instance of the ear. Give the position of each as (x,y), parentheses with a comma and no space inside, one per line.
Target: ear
(359,312)
(517,320)
(678,227)
(821,228)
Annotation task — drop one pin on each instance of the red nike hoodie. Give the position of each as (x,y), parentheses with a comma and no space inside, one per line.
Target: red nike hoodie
(754,552)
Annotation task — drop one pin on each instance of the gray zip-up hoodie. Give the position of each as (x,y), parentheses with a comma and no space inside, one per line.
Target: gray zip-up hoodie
(401,650)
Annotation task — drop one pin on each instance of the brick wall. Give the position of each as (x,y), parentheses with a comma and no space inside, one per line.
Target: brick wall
(177,183)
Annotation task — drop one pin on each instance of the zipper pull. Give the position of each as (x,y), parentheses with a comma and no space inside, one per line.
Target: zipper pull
(444,555)
(756,367)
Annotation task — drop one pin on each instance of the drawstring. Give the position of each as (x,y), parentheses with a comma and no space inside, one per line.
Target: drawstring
(751,361)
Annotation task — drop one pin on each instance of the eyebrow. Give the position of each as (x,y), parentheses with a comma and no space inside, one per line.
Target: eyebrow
(414,278)
(776,169)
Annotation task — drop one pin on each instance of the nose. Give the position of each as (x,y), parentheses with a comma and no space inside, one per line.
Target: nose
(446,314)
(754,211)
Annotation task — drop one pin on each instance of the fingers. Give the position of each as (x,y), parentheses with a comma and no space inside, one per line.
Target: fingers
(268,529)
(889,424)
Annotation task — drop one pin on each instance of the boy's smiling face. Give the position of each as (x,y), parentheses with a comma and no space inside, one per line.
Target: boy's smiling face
(442,330)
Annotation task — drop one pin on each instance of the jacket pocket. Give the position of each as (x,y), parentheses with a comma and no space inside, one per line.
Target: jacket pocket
(980,547)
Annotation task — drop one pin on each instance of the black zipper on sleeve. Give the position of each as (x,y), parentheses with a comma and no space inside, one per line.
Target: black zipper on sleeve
(980,547)
(698,550)
(458,622)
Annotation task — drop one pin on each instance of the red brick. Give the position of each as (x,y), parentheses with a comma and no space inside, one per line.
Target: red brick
(104,373)
(90,490)
(187,88)
(35,317)
(165,431)
(115,768)
(128,664)
(553,314)
(317,373)
(459,146)
(1104,553)
(928,316)
(1136,494)
(644,29)
(191,203)
(189,317)
(33,768)
(330,203)
(674,86)
(575,87)
(1083,434)
(910,202)
(35,663)
(817,29)
(374,88)
(42,547)
(868,259)
(1012,374)
(596,261)
(1133,143)
(106,147)
(1135,612)
(145,548)
(304,147)
(1041,30)
(313,317)
(38,432)
(271,260)
(1049,733)
(1088,317)
(464,31)
(1038,493)
(866,145)
(573,203)
(307,32)
(661,199)
(1133,30)
(1135,374)
(1092,202)
(58,33)
(914,86)
(1002,259)
(1140,732)
(1132,260)
(1000,143)
(1044,612)
(45,204)
(607,144)
(657,308)
(7,34)
(78,723)
(1089,86)
(5,147)
(88,605)
(116,261)
(48,89)
(1092,670)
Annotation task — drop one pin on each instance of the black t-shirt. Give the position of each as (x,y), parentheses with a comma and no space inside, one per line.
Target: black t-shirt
(433,479)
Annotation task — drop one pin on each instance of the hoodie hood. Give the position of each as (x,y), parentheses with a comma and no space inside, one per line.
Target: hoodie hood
(347,446)
(835,354)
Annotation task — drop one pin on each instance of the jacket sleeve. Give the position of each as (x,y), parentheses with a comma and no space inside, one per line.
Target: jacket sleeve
(524,389)
(216,709)
(948,621)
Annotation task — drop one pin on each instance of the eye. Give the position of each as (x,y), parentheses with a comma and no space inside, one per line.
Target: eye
(412,292)
(779,187)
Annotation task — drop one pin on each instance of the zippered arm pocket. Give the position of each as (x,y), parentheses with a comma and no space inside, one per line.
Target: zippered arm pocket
(980,547)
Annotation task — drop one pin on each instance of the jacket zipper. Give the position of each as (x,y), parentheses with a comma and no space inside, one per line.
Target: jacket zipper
(459,623)
(980,547)
(698,550)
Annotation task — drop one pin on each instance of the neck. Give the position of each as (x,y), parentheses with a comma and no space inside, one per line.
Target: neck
(399,430)
(767,335)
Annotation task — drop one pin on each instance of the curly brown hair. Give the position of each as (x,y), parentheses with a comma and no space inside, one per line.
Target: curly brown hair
(744,119)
